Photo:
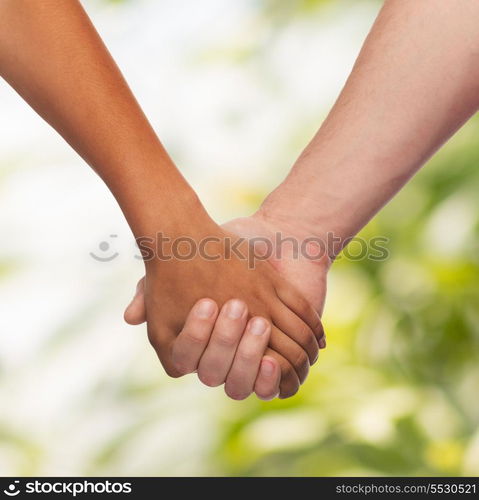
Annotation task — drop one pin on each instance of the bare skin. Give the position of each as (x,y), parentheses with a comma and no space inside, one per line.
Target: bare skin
(308,273)
(53,57)
(414,84)
(241,361)
(222,280)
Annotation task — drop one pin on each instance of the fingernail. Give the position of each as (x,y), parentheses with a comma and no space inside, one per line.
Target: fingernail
(258,326)
(322,343)
(267,368)
(235,309)
(205,309)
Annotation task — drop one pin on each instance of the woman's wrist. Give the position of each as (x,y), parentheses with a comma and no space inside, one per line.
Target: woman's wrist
(153,194)
(176,212)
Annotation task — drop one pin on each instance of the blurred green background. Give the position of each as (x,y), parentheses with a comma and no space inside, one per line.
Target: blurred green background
(235,92)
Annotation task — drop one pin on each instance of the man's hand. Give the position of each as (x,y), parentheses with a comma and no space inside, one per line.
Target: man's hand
(241,364)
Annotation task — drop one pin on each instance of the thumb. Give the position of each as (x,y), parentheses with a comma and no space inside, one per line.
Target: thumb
(135,313)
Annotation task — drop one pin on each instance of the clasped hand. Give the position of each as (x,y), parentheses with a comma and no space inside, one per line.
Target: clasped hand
(235,324)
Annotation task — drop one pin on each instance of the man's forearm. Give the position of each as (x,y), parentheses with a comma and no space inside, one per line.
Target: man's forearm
(414,84)
(52,55)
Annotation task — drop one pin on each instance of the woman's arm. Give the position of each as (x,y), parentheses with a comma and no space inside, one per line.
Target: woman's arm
(52,55)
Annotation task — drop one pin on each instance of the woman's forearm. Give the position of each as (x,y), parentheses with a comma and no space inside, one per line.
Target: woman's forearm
(53,57)
(414,84)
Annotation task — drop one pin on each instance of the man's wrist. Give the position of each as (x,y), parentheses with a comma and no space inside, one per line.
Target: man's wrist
(289,229)
(299,216)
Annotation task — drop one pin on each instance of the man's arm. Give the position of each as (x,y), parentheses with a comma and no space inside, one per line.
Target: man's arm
(415,83)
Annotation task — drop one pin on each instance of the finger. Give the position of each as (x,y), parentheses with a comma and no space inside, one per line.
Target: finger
(135,313)
(241,378)
(289,383)
(162,340)
(219,354)
(292,325)
(267,383)
(194,337)
(161,335)
(292,299)
(296,356)
(322,342)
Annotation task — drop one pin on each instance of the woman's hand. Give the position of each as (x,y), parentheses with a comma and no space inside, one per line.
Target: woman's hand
(173,284)
(311,275)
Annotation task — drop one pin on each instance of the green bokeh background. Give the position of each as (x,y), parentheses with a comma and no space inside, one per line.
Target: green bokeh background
(396,392)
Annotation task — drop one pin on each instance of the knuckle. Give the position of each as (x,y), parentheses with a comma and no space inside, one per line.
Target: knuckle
(311,346)
(289,386)
(235,394)
(288,392)
(305,332)
(301,359)
(309,315)
(225,340)
(195,337)
(306,337)
(312,349)
(319,331)
(303,305)
(287,372)
(208,378)
(171,371)
(181,365)
(317,326)
(247,356)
